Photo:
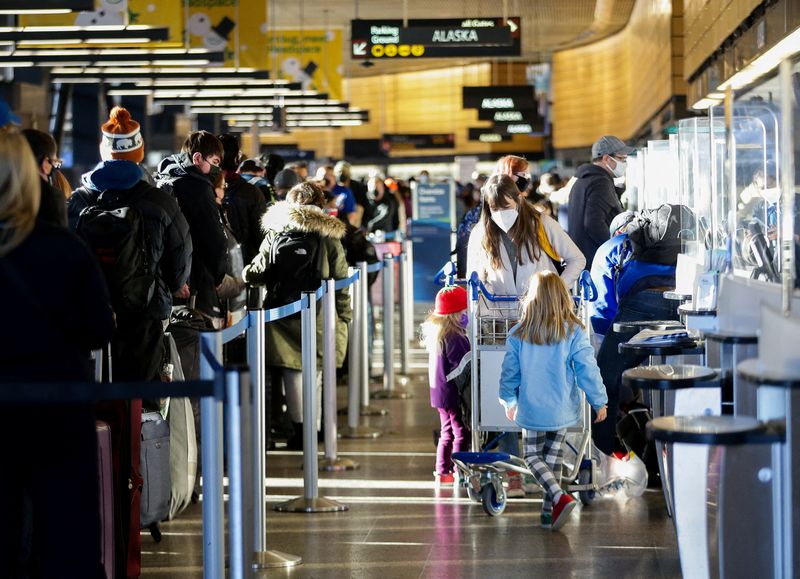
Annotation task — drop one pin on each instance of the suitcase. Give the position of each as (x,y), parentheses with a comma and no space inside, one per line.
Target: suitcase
(155,472)
(106,474)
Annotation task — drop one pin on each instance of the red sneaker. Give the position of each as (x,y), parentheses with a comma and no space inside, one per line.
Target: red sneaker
(444,479)
(562,510)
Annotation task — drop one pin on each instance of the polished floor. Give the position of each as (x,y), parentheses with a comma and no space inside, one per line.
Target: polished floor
(399,526)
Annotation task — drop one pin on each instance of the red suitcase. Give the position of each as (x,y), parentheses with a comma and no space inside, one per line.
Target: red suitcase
(106,474)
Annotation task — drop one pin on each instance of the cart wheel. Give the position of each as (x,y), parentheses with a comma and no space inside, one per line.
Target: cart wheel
(585,478)
(493,503)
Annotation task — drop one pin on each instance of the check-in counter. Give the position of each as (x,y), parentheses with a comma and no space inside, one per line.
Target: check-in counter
(725,350)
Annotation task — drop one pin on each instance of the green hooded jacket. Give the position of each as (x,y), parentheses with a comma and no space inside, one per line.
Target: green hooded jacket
(283,337)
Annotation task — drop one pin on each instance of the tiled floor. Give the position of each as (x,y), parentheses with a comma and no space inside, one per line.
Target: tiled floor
(399,526)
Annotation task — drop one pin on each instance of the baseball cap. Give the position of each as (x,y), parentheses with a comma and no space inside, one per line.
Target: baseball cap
(286,179)
(7,116)
(610,145)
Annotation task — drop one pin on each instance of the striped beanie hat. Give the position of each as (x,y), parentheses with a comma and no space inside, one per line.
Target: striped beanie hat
(122,136)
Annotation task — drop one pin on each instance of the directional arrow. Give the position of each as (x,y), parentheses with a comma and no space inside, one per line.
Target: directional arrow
(359,49)
(512,25)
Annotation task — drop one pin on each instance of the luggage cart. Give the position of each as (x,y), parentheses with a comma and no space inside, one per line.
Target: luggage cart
(482,473)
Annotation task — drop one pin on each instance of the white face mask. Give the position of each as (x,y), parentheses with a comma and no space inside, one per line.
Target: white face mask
(619,169)
(505,218)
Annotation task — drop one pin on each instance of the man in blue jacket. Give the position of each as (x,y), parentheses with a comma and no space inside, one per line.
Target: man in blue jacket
(593,201)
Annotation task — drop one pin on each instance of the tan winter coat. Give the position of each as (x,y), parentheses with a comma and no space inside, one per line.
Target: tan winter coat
(283,337)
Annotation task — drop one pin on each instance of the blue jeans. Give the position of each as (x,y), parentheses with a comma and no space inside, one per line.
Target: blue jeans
(643,305)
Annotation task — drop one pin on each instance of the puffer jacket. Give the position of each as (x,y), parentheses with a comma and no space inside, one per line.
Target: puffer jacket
(593,204)
(195,194)
(244,206)
(283,338)
(169,245)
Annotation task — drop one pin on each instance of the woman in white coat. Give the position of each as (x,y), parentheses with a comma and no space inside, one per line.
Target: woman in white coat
(511,242)
(510,225)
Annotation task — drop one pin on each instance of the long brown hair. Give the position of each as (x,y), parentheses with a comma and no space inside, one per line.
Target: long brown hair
(19,189)
(498,192)
(548,314)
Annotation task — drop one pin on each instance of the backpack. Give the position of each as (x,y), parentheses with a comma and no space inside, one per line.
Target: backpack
(294,267)
(115,233)
(655,235)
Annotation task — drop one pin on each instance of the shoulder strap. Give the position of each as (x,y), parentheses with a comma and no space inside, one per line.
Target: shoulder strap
(544,243)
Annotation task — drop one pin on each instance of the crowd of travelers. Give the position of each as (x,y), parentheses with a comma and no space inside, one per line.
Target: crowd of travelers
(133,264)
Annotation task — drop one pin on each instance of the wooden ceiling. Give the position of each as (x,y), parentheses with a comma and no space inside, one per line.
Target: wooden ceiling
(547,25)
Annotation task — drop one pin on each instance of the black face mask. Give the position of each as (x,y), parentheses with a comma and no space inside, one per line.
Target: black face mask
(214,172)
(522,184)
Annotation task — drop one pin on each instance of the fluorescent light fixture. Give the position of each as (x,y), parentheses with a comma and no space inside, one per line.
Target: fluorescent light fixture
(89,58)
(183,75)
(28,35)
(706,103)
(45,6)
(27,11)
(765,63)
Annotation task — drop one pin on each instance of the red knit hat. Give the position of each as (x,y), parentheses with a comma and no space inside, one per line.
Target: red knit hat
(450,300)
(122,136)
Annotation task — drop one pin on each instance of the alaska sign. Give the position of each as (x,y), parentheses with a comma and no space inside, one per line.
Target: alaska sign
(435,38)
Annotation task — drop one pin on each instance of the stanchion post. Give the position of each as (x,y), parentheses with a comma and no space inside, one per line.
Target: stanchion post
(310,502)
(404,335)
(367,409)
(233,428)
(408,249)
(355,355)
(331,462)
(390,391)
(211,441)
(263,558)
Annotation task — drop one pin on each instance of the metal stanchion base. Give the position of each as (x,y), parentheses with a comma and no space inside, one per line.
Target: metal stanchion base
(403,379)
(306,505)
(370,410)
(267,559)
(359,432)
(397,393)
(337,464)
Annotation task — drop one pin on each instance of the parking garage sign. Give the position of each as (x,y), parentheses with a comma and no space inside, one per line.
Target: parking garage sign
(435,38)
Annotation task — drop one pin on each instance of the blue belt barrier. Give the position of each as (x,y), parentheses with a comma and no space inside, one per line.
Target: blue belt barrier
(375,267)
(347,282)
(237,329)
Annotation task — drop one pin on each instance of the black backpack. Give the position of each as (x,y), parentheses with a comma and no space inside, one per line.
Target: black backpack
(655,235)
(115,233)
(294,267)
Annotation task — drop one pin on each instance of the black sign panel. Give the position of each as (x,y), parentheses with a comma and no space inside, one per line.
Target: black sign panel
(435,38)
(410,142)
(509,115)
(499,98)
(488,135)
(521,128)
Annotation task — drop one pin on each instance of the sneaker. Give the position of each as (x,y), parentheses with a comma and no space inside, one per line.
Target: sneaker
(444,479)
(546,520)
(562,510)
(514,490)
(529,484)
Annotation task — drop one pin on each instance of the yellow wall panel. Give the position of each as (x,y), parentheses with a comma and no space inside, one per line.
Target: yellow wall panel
(615,85)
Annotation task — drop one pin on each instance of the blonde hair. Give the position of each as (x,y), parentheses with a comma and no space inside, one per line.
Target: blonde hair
(436,328)
(20,190)
(548,314)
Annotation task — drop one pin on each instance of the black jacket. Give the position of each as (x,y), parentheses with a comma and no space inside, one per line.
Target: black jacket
(195,194)
(593,204)
(385,214)
(168,241)
(53,207)
(58,308)
(244,205)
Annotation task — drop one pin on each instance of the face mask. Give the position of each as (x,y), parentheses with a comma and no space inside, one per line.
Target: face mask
(522,183)
(619,170)
(214,172)
(505,219)
(464,320)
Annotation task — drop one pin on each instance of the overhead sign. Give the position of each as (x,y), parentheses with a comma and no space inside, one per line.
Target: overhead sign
(414,141)
(499,98)
(435,38)
(509,115)
(488,135)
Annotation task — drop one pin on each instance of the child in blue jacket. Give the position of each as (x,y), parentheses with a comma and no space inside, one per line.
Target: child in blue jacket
(548,358)
(445,337)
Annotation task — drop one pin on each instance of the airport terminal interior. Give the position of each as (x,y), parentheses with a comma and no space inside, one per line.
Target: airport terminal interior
(400,289)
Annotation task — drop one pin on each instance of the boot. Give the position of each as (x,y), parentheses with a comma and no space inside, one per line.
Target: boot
(295,441)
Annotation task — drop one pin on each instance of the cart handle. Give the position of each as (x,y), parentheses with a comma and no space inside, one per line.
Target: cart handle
(477,285)
(447,275)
